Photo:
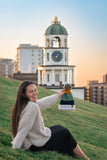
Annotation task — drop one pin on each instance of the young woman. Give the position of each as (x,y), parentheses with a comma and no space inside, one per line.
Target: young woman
(27,125)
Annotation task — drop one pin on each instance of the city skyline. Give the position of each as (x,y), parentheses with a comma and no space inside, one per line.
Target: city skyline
(24,22)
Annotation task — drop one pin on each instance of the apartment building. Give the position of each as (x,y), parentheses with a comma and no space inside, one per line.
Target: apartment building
(97,92)
(28,58)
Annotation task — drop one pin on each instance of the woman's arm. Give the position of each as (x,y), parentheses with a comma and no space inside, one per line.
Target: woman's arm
(49,100)
(25,125)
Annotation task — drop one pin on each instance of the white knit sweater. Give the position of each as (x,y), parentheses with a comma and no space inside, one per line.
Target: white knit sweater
(31,130)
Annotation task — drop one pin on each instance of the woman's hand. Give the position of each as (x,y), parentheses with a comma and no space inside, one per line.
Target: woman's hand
(61,93)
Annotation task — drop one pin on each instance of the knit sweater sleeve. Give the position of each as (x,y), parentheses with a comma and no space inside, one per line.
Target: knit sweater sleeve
(47,101)
(25,125)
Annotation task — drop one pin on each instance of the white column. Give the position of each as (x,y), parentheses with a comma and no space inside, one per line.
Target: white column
(62,76)
(38,76)
(53,77)
(68,76)
(44,76)
(72,76)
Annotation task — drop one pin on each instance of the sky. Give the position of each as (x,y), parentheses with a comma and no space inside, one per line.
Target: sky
(25,21)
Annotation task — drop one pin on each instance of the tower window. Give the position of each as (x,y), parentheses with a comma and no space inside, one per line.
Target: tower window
(65,57)
(56,42)
(47,77)
(51,43)
(57,77)
(65,43)
(65,77)
(47,56)
(48,43)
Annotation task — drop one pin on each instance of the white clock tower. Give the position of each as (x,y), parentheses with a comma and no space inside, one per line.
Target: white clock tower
(56,51)
(55,71)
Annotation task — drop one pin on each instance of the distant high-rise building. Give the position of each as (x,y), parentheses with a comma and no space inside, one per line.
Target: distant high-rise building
(96,92)
(29,57)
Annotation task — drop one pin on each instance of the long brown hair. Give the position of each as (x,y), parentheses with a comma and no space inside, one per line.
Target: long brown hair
(20,103)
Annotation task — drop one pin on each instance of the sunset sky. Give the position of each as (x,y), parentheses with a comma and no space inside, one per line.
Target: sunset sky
(25,21)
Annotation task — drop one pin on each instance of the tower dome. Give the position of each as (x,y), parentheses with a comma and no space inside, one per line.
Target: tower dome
(56,28)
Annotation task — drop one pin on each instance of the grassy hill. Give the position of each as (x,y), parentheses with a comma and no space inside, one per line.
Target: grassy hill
(87,123)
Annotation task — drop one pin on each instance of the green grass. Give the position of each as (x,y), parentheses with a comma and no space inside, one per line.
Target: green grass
(87,124)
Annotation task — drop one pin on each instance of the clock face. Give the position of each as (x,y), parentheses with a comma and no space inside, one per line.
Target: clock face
(57,56)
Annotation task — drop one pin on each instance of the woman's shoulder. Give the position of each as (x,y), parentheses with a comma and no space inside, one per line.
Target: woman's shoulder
(32,105)
(30,108)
